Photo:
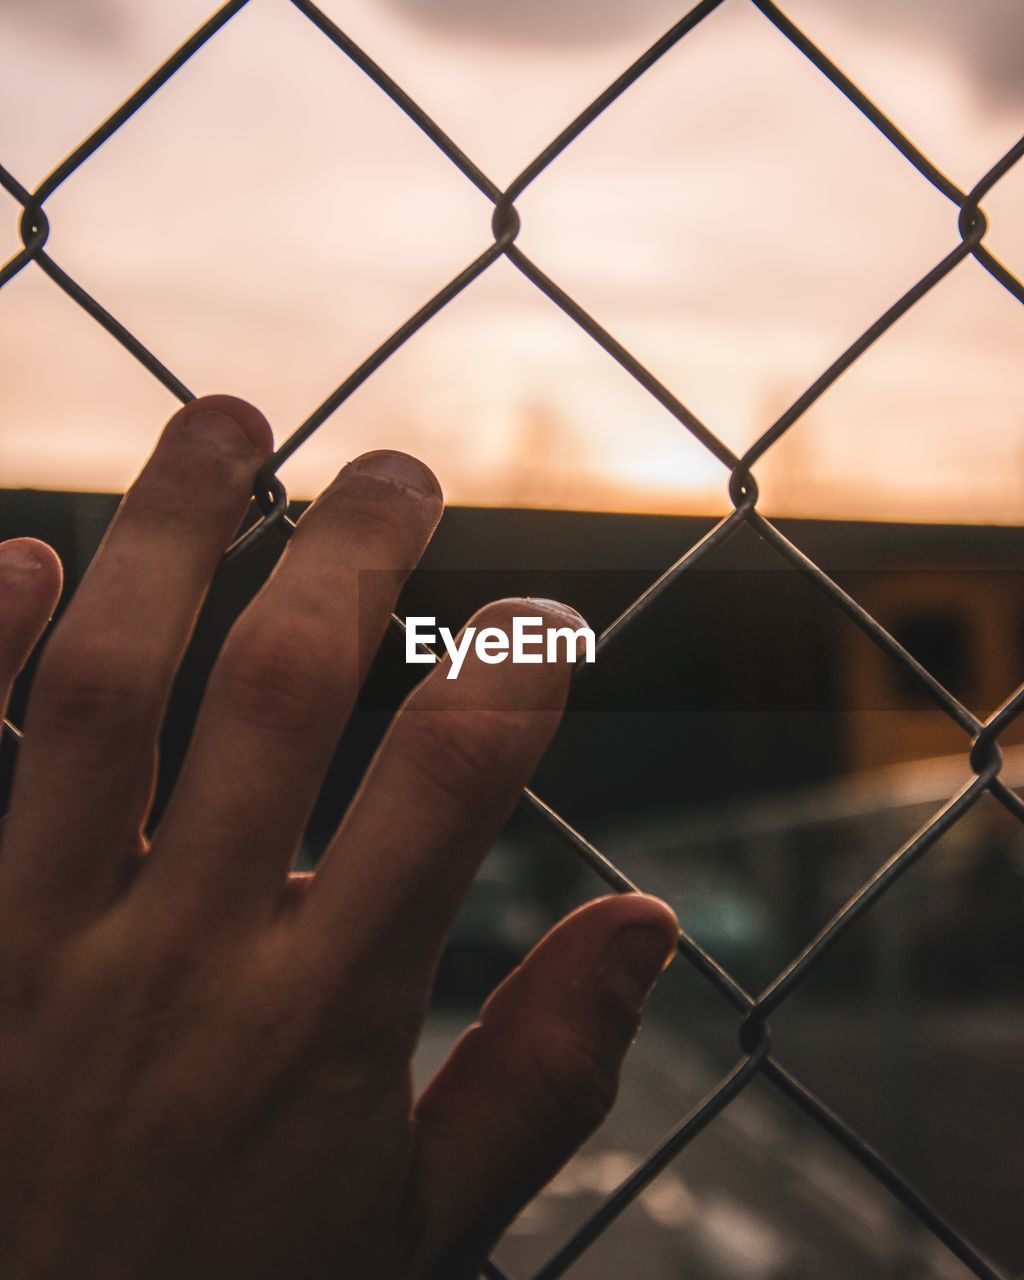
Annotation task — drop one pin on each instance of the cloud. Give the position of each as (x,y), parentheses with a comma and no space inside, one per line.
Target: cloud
(95,23)
(985,38)
(543,22)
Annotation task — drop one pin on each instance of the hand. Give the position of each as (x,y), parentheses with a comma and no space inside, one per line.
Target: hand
(204,1061)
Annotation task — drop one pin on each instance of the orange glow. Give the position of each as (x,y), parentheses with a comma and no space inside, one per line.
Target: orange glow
(269,218)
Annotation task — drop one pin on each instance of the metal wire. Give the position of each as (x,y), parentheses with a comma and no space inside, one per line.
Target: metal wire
(982,757)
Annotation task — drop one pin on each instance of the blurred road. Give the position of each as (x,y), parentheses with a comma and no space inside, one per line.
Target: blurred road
(760,1195)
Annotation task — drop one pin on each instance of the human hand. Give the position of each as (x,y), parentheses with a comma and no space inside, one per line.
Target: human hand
(204,1060)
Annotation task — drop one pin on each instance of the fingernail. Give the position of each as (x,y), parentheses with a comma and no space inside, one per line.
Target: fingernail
(560,613)
(214,424)
(558,607)
(400,470)
(17,558)
(635,960)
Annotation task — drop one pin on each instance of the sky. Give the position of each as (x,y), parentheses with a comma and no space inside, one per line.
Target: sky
(270,217)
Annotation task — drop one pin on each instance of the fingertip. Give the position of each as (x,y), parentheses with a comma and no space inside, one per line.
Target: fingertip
(246,416)
(556,610)
(30,583)
(401,470)
(27,564)
(502,660)
(623,941)
(545,639)
(616,911)
(504,611)
(648,912)
(579,642)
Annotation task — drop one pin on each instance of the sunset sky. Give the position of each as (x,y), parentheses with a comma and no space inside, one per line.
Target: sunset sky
(270,217)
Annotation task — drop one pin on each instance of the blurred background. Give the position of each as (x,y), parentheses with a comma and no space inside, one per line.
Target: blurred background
(269,218)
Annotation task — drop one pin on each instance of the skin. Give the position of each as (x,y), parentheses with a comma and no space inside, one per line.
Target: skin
(204,1059)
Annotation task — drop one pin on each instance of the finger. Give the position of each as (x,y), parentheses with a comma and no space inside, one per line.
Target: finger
(89,753)
(30,582)
(442,784)
(537,1074)
(284,685)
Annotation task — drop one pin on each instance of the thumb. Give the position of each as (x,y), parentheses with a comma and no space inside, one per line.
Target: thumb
(529,1082)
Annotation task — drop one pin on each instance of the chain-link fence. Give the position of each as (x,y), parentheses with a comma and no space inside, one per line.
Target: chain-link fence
(982,754)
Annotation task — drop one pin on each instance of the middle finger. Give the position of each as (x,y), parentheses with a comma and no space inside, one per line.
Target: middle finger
(285,684)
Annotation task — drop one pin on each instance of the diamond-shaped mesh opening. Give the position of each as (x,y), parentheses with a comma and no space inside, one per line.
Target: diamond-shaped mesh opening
(951,472)
(320,252)
(58,431)
(694,261)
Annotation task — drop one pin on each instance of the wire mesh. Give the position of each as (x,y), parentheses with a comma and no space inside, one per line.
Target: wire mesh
(982,755)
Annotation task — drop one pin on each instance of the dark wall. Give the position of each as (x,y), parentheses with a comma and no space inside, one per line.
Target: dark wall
(726,685)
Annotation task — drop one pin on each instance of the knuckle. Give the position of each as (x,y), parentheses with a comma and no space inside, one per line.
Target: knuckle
(276,679)
(87,690)
(577,1088)
(370,503)
(185,480)
(372,1040)
(341,1016)
(460,753)
(349,1047)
